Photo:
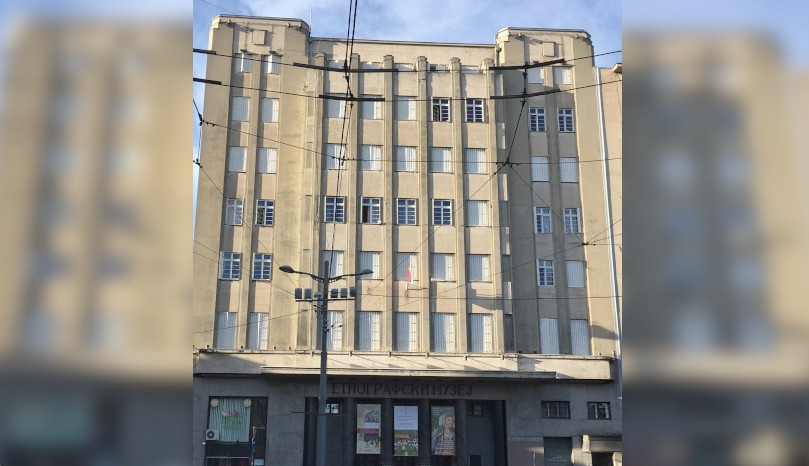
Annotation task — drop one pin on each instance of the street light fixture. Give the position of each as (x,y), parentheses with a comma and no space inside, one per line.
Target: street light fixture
(324,307)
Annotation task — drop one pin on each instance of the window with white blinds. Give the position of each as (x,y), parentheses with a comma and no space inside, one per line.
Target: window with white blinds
(234,209)
(239,108)
(475,160)
(539,169)
(562,75)
(242,63)
(267,159)
(271,64)
(443,332)
(269,109)
(335,259)
(575,274)
(372,110)
(237,159)
(480,333)
(368,329)
(580,337)
(407,331)
(406,261)
(258,329)
(568,170)
(548,336)
(478,265)
(334,339)
(335,108)
(477,213)
(371,157)
(405,107)
(442,267)
(535,76)
(371,260)
(225,336)
(441,159)
(335,156)
(405,159)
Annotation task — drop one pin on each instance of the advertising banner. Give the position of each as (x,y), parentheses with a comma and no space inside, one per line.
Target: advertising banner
(443,430)
(368,428)
(405,431)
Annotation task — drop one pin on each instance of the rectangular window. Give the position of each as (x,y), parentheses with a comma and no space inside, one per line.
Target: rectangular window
(562,75)
(405,108)
(544,273)
(441,159)
(230,265)
(335,259)
(335,108)
(368,328)
(371,210)
(535,76)
(239,108)
(565,120)
(335,156)
(371,260)
(572,224)
(508,333)
(371,157)
(262,266)
(334,338)
(440,109)
(406,211)
(442,212)
(548,336)
(536,119)
(407,331)
(539,169)
(568,170)
(406,263)
(237,159)
(443,332)
(226,324)
(271,64)
(267,159)
(372,110)
(335,210)
(478,265)
(405,159)
(575,274)
(443,266)
(265,212)
(598,410)
(477,213)
(233,211)
(258,330)
(242,63)
(269,110)
(475,160)
(480,333)
(474,110)
(556,409)
(542,216)
(580,337)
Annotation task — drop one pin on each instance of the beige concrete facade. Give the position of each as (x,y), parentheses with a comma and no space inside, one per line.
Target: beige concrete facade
(506,349)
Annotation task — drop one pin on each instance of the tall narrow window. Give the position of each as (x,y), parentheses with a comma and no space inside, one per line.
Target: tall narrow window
(565,120)
(406,266)
(535,76)
(262,266)
(542,216)
(371,260)
(226,324)
(443,332)
(372,110)
(406,211)
(237,159)
(272,64)
(371,210)
(580,337)
(335,210)
(230,265)
(335,259)
(335,156)
(536,119)
(334,338)
(479,268)
(242,63)
(443,267)
(267,159)
(572,223)
(544,273)
(368,328)
(442,212)
(539,169)
(475,161)
(568,170)
(474,110)
(548,336)
(239,108)
(407,331)
(405,108)
(562,75)
(440,109)
(233,211)
(508,333)
(258,330)
(371,157)
(265,212)
(405,159)
(575,274)
(269,110)
(477,213)
(335,108)
(480,333)
(441,159)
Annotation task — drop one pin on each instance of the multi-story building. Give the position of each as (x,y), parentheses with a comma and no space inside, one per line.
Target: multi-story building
(487,332)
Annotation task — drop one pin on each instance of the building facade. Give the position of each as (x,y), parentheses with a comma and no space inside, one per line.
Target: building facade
(476,193)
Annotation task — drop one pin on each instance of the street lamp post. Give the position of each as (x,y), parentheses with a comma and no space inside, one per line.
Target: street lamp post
(324,280)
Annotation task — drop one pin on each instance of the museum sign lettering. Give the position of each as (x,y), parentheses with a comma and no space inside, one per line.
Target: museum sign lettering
(394,389)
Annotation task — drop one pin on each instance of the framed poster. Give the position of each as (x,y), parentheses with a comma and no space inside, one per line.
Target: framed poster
(443,430)
(368,428)
(405,431)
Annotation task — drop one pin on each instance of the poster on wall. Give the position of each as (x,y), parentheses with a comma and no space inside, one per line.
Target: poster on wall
(405,431)
(443,430)
(368,429)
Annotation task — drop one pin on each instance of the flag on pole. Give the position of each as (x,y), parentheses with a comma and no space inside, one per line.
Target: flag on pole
(409,280)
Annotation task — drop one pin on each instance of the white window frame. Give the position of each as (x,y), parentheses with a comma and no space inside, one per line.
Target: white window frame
(371,157)
(568,169)
(234,211)
(373,205)
(271,64)
(441,160)
(474,109)
(237,159)
(405,260)
(565,117)
(239,108)
(477,213)
(265,212)
(536,120)
(542,220)
(410,207)
(572,220)
(475,160)
(262,266)
(440,109)
(479,266)
(267,160)
(368,322)
(371,260)
(442,267)
(562,75)
(405,108)
(269,110)
(442,211)
(335,156)
(243,63)
(372,109)
(258,329)
(443,332)
(230,265)
(539,169)
(334,209)
(405,158)
(545,273)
